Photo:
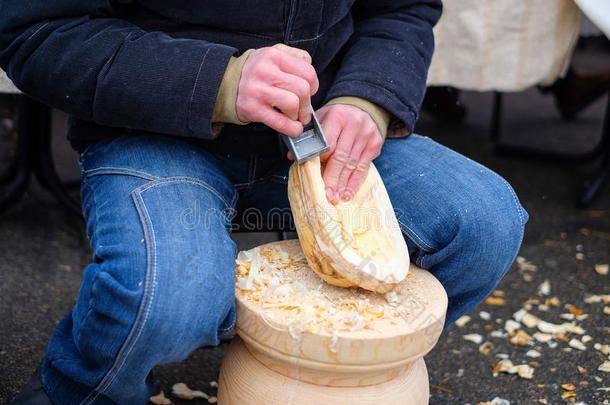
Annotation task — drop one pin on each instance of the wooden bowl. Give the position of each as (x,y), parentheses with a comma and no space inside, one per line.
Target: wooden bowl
(380,363)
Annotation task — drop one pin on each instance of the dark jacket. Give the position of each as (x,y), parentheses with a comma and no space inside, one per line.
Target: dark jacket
(156,65)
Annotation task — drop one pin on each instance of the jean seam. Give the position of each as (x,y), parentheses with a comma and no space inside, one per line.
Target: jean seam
(192,180)
(115,170)
(416,238)
(145,305)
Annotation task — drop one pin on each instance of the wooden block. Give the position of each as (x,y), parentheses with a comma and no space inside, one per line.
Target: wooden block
(380,359)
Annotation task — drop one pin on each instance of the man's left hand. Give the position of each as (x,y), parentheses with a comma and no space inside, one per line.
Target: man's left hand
(354,141)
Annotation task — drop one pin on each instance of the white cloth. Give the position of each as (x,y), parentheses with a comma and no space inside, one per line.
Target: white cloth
(598,11)
(6,86)
(503,45)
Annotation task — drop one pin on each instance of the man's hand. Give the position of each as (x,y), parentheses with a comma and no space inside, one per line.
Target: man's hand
(354,141)
(275,88)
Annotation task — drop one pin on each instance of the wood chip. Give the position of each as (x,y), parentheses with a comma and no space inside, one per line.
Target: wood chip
(542,337)
(604,349)
(568,394)
(581,370)
(495,301)
(553,302)
(524,371)
(486,348)
(182,391)
(474,338)
(462,321)
(574,310)
(577,344)
(568,387)
(521,338)
(160,399)
(533,354)
(596,299)
(495,401)
(544,288)
(511,326)
(604,367)
(602,269)
(606,310)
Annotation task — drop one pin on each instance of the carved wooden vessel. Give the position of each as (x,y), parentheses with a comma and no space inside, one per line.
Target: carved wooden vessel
(303,341)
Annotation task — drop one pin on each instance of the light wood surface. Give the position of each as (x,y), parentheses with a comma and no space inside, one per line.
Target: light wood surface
(353,243)
(380,364)
(245,381)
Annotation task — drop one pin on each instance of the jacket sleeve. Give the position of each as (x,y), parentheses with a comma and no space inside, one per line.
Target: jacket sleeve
(387,58)
(81,57)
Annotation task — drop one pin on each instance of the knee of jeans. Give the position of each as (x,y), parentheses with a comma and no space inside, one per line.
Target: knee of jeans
(193,310)
(491,230)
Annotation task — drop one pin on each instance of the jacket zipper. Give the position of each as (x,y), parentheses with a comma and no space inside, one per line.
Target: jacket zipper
(290,22)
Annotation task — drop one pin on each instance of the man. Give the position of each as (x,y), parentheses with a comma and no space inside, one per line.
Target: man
(159,92)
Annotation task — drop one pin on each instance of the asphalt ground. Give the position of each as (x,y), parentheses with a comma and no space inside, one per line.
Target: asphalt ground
(43,250)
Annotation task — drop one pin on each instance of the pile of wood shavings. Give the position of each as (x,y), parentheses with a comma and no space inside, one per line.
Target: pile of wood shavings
(290,293)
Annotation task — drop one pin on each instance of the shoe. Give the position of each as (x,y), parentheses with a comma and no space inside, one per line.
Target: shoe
(32,393)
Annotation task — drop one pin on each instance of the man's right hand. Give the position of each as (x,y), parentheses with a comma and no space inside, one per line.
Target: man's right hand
(275,89)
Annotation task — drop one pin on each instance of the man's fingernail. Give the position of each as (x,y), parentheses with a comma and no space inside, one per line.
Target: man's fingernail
(346,196)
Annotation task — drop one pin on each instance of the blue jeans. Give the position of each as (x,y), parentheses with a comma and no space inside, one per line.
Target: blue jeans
(161,280)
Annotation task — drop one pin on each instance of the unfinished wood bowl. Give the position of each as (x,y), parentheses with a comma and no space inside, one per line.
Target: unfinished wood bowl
(378,363)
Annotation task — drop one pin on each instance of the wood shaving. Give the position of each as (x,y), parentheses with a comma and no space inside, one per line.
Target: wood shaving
(274,279)
(521,338)
(495,301)
(533,354)
(574,310)
(500,334)
(544,288)
(495,401)
(511,326)
(474,338)
(160,399)
(524,371)
(603,349)
(484,315)
(596,299)
(552,302)
(577,344)
(542,337)
(182,391)
(462,321)
(486,348)
(525,265)
(602,269)
(568,394)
